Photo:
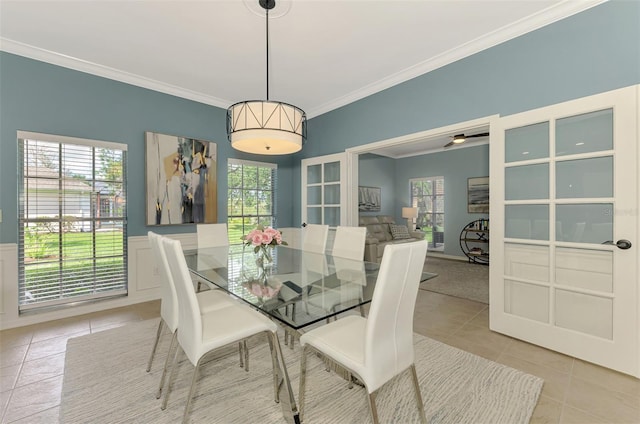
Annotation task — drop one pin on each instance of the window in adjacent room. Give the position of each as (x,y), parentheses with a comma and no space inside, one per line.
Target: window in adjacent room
(251,197)
(72,226)
(427,194)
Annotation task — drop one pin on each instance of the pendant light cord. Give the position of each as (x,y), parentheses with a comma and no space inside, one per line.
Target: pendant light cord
(267,15)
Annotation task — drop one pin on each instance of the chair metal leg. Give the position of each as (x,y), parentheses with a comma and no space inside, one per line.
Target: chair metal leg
(246,355)
(172,377)
(274,363)
(155,344)
(241,354)
(303,381)
(372,407)
(166,364)
(185,417)
(416,386)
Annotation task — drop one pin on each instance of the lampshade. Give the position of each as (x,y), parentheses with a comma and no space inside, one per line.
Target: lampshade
(266,127)
(409,212)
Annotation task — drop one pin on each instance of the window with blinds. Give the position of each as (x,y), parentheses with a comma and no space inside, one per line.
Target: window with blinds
(72,228)
(427,194)
(251,197)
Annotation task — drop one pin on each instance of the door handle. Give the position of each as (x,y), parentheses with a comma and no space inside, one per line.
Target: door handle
(620,244)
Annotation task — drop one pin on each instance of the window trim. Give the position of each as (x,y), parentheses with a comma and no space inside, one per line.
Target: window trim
(23,137)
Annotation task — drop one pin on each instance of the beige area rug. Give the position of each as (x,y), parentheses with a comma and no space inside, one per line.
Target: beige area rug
(105,382)
(457,278)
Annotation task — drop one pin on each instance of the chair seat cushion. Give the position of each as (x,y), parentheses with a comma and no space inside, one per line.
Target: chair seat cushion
(342,340)
(211,300)
(223,326)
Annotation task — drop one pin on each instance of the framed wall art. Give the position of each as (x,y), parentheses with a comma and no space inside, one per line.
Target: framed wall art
(369,199)
(478,195)
(181,183)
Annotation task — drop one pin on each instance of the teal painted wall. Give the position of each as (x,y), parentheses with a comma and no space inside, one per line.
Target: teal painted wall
(594,51)
(379,171)
(40,97)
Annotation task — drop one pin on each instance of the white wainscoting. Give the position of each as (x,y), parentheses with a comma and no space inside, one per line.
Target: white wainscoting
(143,281)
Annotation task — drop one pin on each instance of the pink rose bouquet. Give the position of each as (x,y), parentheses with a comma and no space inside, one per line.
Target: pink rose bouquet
(263,237)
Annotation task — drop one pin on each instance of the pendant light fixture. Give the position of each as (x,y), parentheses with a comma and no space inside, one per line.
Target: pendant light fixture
(266,127)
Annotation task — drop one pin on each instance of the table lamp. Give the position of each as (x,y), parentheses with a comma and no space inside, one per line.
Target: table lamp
(410,214)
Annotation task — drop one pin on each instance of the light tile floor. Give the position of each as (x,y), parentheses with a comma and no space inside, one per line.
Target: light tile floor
(32,363)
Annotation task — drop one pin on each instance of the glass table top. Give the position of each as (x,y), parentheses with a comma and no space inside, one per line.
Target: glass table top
(295,287)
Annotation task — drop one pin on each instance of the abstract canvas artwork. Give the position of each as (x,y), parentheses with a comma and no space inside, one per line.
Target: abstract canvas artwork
(181,184)
(478,195)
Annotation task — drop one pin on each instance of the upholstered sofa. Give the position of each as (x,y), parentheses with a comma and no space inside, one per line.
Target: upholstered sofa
(382,231)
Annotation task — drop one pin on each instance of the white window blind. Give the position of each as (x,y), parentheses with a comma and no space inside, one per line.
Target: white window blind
(251,196)
(72,228)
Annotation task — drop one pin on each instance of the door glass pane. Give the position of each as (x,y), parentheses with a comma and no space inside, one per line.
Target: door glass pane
(331,172)
(526,143)
(527,222)
(332,216)
(314,195)
(589,132)
(585,223)
(332,194)
(527,182)
(314,215)
(314,173)
(584,178)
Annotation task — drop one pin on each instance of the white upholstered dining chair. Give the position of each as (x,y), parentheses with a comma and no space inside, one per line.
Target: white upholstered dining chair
(348,253)
(169,317)
(314,238)
(377,348)
(201,333)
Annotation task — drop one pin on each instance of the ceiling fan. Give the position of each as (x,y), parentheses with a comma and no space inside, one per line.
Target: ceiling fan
(461,138)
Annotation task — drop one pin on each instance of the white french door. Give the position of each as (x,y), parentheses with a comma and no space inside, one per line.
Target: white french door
(565,228)
(324,190)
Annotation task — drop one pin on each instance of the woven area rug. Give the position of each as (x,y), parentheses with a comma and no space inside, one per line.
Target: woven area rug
(457,278)
(105,382)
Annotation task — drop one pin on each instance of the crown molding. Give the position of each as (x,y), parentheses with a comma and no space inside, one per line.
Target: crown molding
(31,52)
(530,23)
(545,17)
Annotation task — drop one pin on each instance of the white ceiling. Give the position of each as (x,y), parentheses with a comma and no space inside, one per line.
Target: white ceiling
(323,54)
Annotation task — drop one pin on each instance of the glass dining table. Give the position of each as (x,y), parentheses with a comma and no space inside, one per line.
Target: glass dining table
(295,288)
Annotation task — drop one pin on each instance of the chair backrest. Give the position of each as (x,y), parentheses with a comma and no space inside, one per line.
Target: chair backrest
(169,300)
(212,235)
(190,333)
(389,328)
(314,238)
(349,242)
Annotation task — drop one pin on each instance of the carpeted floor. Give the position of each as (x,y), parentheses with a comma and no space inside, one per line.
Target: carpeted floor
(105,381)
(457,278)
